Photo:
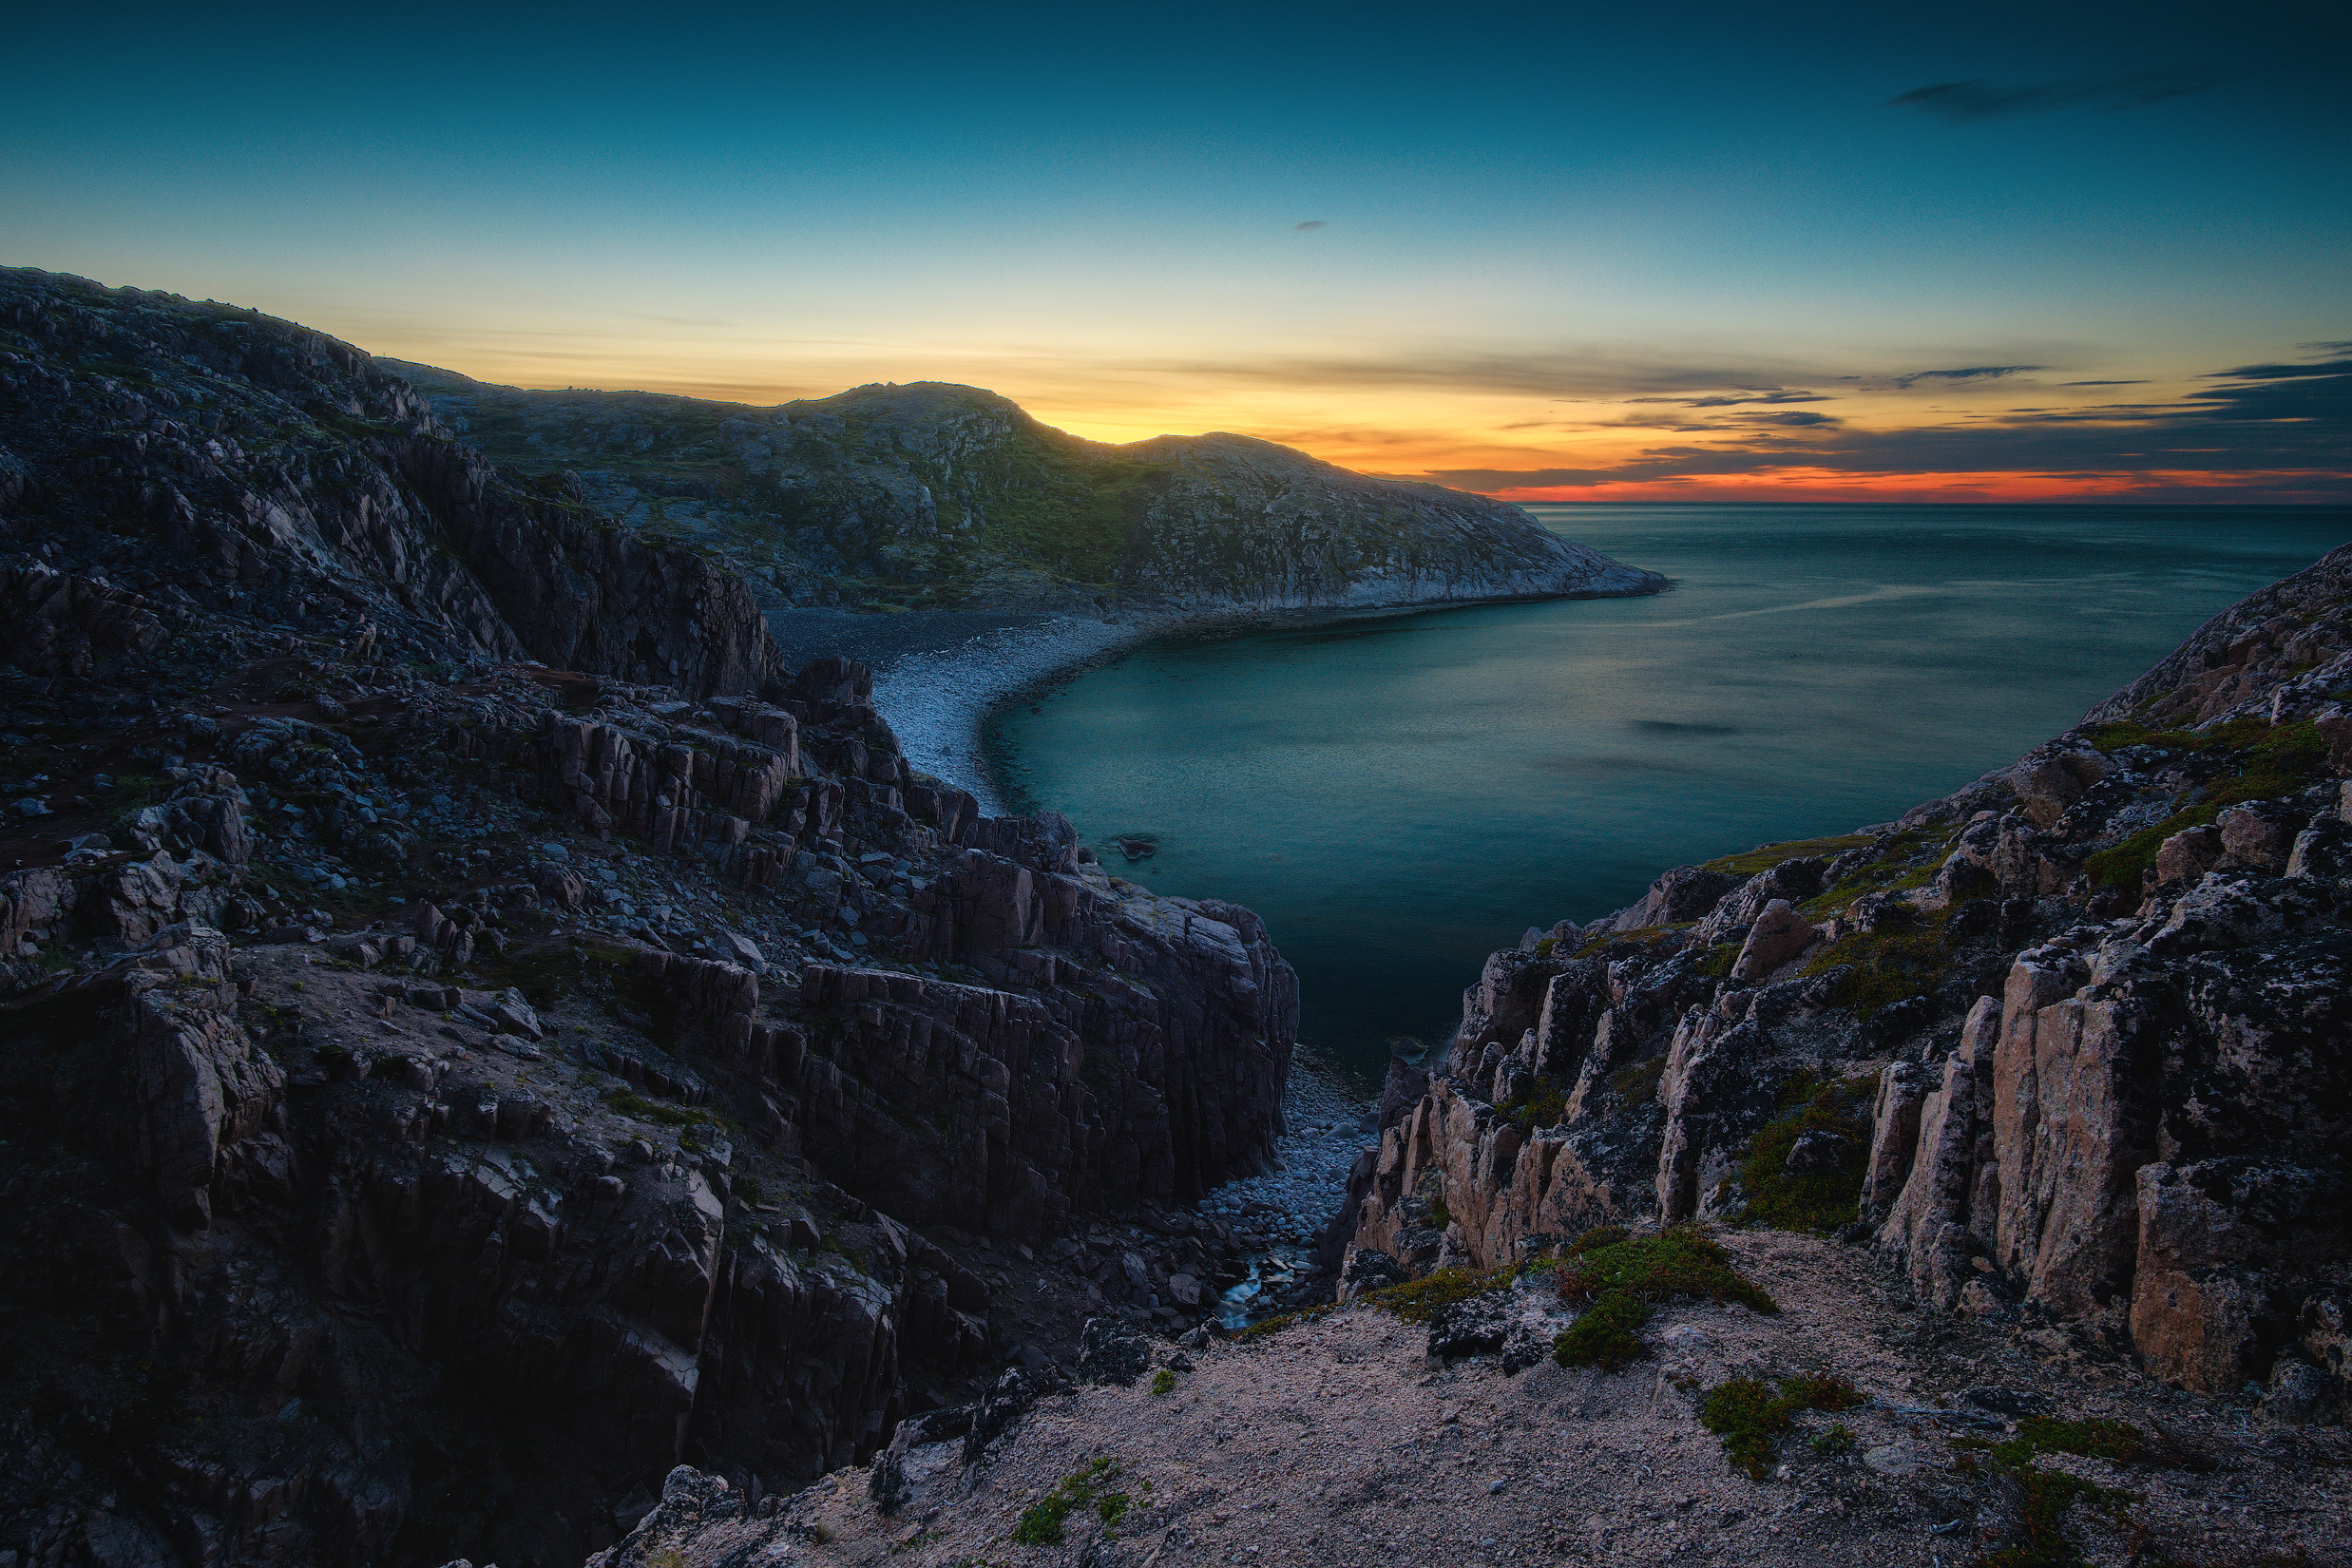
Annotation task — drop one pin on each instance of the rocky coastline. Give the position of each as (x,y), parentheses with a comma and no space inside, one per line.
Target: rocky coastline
(501,1059)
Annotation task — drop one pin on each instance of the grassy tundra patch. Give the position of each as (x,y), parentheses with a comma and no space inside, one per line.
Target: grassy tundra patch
(1819,1201)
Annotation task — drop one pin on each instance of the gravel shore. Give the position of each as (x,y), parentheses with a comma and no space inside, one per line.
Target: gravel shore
(938,674)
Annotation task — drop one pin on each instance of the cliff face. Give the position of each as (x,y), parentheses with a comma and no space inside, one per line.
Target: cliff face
(932,495)
(2072,1046)
(444,1091)
(248,477)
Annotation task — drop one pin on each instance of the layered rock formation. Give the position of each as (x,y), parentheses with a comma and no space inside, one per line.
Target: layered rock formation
(444,1091)
(2072,1046)
(932,495)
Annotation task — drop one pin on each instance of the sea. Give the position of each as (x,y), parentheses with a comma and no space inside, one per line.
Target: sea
(1397,795)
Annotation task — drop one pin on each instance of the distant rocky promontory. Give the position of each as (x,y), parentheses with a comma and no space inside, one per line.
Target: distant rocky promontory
(935,496)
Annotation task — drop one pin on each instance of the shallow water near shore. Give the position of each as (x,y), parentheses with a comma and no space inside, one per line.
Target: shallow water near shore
(1398,794)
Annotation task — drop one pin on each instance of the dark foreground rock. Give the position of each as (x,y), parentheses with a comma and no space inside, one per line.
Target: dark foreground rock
(2072,1046)
(479,1032)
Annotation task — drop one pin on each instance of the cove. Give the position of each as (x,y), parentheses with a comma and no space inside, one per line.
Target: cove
(1398,794)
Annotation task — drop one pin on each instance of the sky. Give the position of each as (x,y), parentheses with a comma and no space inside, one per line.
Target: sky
(1966,252)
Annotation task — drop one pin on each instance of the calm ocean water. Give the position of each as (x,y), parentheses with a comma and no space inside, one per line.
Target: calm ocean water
(1398,794)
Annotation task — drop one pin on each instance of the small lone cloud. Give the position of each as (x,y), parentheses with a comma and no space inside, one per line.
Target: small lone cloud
(1972,373)
(1966,102)
(1311,224)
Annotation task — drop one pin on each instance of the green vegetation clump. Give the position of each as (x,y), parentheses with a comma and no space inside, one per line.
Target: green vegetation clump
(1718,960)
(2117,1440)
(1267,1327)
(1908,859)
(2268,760)
(1819,1201)
(1644,936)
(1638,1084)
(630,1103)
(1419,1300)
(1765,856)
(1681,1260)
(1751,1418)
(1544,946)
(1607,1334)
(1834,1443)
(1542,1103)
(1163,1383)
(1906,958)
(1041,1524)
(2051,1495)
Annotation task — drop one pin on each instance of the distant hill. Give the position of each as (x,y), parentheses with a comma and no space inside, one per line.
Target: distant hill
(932,495)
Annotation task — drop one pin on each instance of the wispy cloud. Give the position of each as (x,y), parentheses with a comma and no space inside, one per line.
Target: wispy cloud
(1972,373)
(1311,224)
(1983,98)
(2285,426)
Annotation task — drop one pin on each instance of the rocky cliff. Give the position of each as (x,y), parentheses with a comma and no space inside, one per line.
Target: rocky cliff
(249,478)
(931,496)
(478,1032)
(2072,1047)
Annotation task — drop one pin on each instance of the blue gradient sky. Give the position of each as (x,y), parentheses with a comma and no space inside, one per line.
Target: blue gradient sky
(1533,219)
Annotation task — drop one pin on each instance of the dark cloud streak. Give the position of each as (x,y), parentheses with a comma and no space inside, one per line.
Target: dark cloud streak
(1968,102)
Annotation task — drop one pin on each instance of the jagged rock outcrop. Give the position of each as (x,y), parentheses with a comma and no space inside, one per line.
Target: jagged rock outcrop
(445,1090)
(187,470)
(932,495)
(2071,1045)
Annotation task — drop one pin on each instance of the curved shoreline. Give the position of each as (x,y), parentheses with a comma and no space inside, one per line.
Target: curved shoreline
(939,697)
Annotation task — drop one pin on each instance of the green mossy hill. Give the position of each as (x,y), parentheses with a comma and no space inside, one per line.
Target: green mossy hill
(1833,1120)
(2246,759)
(930,496)
(1606,1334)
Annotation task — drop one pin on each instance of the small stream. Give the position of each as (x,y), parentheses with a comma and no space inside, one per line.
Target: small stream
(1285,1209)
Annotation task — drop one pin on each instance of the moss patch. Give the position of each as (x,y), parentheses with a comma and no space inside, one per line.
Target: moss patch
(2049,1496)
(1267,1327)
(1751,1418)
(1041,1522)
(1681,1260)
(2262,761)
(630,1103)
(1542,1103)
(1765,856)
(1819,1201)
(1607,1334)
(1417,1300)
(1907,958)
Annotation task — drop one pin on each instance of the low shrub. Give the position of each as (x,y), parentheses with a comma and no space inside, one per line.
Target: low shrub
(1606,1334)
(1751,1418)
(1417,1300)
(1041,1522)
(1681,1260)
(1163,1382)
(1819,1201)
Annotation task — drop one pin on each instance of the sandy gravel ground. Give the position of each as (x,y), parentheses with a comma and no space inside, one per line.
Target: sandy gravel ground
(1338,1442)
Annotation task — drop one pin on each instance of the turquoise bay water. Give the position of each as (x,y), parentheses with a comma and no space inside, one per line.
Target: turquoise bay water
(1399,794)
